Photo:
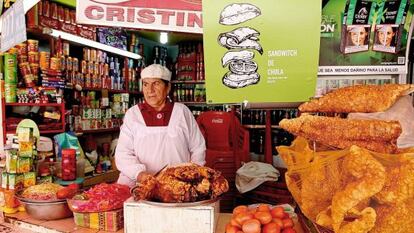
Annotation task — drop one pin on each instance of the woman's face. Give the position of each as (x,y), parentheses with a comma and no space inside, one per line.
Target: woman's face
(358,36)
(385,36)
(155,92)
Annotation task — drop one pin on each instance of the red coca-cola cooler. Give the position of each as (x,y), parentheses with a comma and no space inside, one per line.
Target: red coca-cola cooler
(227,145)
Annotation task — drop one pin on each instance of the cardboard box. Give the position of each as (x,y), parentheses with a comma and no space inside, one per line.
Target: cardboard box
(107,221)
(142,217)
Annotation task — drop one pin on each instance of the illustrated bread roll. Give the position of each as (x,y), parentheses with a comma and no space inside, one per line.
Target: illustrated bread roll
(360,98)
(238,13)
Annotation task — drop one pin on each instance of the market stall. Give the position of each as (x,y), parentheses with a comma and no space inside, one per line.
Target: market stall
(277,160)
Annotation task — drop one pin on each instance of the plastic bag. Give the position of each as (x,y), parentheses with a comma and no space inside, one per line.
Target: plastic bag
(352,190)
(67,141)
(402,111)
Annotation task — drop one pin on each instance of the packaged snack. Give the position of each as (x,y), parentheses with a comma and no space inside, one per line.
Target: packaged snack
(25,134)
(24,165)
(26,149)
(12,181)
(356,26)
(4,180)
(389,27)
(11,162)
(29,179)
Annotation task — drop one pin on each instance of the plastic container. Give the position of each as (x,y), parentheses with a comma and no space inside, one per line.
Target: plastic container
(68,164)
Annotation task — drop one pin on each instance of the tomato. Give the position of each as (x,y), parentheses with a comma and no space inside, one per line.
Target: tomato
(271,228)
(231,229)
(277,212)
(289,230)
(263,207)
(252,211)
(263,217)
(278,221)
(286,215)
(287,222)
(242,217)
(233,222)
(239,209)
(251,226)
(62,193)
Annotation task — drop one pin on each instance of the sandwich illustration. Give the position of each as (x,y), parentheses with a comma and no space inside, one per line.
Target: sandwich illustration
(240,42)
(241,38)
(237,13)
(243,71)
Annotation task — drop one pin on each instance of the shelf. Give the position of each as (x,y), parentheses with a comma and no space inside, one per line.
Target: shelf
(112,91)
(42,131)
(98,131)
(35,104)
(192,103)
(89,43)
(109,176)
(260,126)
(188,82)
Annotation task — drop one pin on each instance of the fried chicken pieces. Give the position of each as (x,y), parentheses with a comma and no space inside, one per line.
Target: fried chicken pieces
(360,98)
(187,183)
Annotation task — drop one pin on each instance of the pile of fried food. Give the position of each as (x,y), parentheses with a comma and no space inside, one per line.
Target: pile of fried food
(348,175)
(186,183)
(45,191)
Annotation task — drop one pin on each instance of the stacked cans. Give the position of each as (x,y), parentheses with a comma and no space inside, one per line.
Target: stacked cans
(10,77)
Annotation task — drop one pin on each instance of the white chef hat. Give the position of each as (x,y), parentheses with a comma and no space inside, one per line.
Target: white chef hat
(156,71)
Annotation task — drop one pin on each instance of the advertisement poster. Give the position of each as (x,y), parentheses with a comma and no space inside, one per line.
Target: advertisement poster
(261,51)
(364,37)
(160,15)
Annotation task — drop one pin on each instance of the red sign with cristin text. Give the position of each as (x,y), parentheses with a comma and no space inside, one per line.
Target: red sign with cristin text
(161,15)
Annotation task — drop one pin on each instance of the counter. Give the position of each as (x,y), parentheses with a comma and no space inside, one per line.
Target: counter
(24,221)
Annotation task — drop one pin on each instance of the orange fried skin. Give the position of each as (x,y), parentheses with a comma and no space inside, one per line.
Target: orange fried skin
(359,98)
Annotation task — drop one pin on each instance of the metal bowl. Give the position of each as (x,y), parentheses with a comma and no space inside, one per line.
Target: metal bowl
(47,210)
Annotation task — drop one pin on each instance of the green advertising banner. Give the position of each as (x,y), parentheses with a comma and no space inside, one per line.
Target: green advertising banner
(261,51)
(365,37)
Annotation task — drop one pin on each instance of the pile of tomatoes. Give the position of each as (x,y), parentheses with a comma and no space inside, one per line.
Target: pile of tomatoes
(260,219)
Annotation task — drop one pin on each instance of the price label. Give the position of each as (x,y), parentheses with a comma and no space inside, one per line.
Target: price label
(13,26)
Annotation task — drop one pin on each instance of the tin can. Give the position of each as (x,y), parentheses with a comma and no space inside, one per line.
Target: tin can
(32,46)
(24,69)
(55,63)
(93,54)
(72,17)
(34,67)
(22,59)
(101,69)
(84,67)
(13,50)
(46,8)
(61,13)
(62,63)
(10,93)
(33,57)
(69,63)
(106,69)
(75,64)
(88,81)
(91,67)
(40,8)
(96,68)
(66,48)
(10,68)
(28,80)
(67,15)
(53,10)
(21,49)
(44,60)
(86,54)
(68,164)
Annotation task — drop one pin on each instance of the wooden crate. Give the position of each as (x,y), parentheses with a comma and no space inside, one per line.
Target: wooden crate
(142,217)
